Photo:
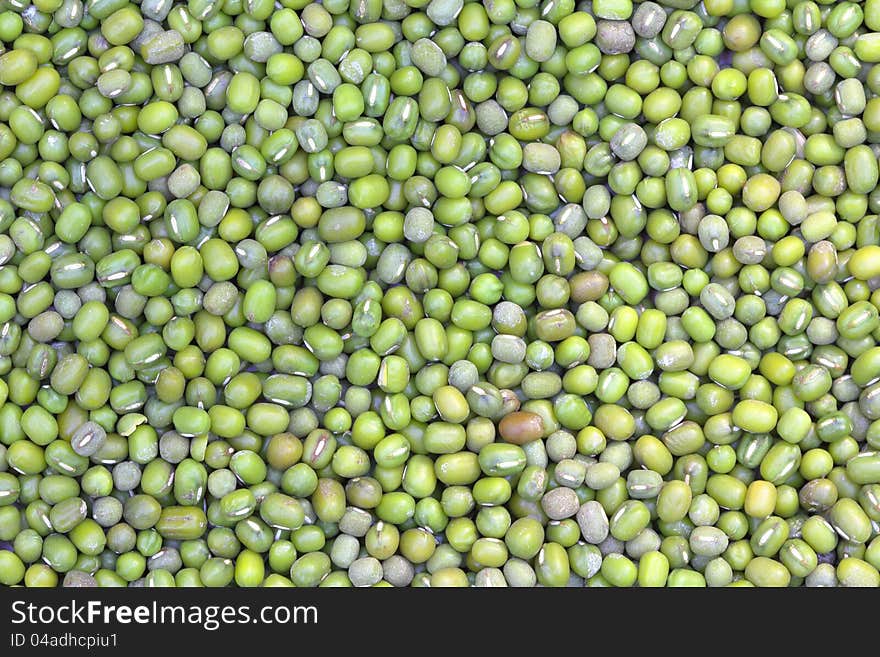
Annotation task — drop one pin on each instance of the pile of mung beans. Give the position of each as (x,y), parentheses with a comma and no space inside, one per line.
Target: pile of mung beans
(439,293)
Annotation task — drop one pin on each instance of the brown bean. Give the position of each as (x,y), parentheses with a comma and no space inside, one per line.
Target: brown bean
(588,286)
(521,427)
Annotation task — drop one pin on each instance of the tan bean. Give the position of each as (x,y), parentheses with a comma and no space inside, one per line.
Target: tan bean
(521,427)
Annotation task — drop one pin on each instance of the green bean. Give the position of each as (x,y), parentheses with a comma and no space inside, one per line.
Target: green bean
(445,294)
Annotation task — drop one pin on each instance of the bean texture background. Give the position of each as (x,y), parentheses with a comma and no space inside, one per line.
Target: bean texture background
(439,293)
